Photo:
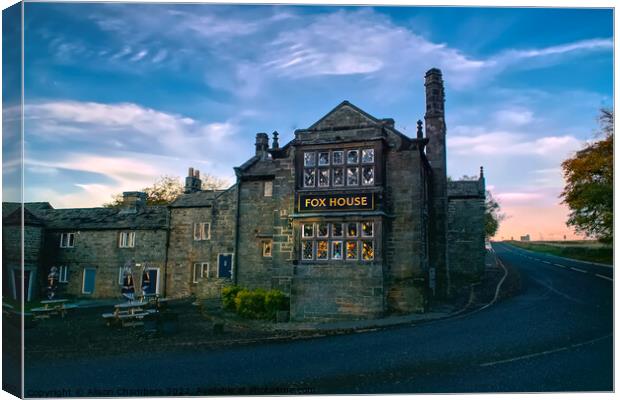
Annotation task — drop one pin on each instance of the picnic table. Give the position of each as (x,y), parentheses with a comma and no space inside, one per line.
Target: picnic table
(128,314)
(52,307)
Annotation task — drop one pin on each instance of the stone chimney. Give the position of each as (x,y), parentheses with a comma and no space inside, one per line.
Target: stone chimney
(193,182)
(275,144)
(262,145)
(435,125)
(133,202)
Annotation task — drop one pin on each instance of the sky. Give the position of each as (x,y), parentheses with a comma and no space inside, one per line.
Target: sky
(117,95)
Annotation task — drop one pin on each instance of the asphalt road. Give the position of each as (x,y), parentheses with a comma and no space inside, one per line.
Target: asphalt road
(556,335)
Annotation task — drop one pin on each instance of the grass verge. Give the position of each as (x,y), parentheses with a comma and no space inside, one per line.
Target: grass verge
(597,254)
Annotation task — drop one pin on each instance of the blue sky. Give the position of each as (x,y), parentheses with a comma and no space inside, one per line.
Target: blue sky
(119,94)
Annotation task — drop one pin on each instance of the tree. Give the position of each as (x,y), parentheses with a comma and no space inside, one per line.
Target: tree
(588,191)
(492,215)
(167,188)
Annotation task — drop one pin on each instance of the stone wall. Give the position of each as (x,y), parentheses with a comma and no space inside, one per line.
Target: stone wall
(99,249)
(184,251)
(466,231)
(405,274)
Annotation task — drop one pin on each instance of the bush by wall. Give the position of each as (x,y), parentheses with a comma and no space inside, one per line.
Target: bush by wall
(255,304)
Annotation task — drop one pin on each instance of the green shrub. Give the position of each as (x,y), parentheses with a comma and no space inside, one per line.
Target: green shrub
(251,303)
(275,301)
(229,293)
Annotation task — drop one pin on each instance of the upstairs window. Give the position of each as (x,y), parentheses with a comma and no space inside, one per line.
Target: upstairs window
(267,247)
(268,189)
(127,239)
(67,240)
(202,231)
(338,168)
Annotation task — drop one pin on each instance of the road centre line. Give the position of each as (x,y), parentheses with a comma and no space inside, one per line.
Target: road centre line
(543,353)
(560,265)
(579,270)
(604,277)
(546,262)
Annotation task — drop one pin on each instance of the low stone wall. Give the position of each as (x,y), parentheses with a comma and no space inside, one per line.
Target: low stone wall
(337,292)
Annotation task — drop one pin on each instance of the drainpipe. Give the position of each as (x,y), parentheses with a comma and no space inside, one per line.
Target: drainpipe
(166,252)
(238,213)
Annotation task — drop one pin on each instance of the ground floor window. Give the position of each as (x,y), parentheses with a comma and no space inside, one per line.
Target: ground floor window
(350,241)
(63,274)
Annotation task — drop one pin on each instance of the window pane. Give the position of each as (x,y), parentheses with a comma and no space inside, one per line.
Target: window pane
(71,239)
(306,249)
(351,250)
(338,177)
(268,189)
(337,250)
(308,230)
(321,230)
(323,177)
(197,272)
(321,250)
(324,158)
(352,156)
(368,156)
(337,230)
(309,159)
(367,229)
(309,177)
(338,157)
(352,178)
(352,229)
(368,252)
(368,176)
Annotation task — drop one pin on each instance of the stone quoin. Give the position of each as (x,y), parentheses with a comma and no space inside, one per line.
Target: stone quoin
(351,219)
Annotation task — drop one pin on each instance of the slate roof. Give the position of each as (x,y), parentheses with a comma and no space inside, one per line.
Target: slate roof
(14,218)
(150,217)
(203,198)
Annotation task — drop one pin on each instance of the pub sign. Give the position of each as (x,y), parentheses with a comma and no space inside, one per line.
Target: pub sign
(335,202)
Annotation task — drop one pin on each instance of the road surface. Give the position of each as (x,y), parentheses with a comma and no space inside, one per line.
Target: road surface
(556,335)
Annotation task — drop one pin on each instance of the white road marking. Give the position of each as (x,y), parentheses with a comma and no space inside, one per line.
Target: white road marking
(604,277)
(548,285)
(579,270)
(543,353)
(546,262)
(560,265)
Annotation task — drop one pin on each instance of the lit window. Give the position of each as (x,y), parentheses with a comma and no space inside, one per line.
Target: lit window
(368,253)
(338,157)
(352,229)
(202,231)
(368,175)
(266,244)
(337,250)
(307,230)
(309,159)
(368,156)
(324,158)
(351,250)
(307,251)
(309,177)
(323,177)
(67,240)
(367,229)
(322,250)
(127,239)
(352,176)
(352,157)
(268,189)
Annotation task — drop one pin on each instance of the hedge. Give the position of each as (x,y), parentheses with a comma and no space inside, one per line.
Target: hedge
(255,304)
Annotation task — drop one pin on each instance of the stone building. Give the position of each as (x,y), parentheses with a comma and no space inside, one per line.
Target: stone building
(352,219)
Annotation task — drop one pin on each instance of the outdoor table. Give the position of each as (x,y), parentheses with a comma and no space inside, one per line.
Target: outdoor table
(129,314)
(52,307)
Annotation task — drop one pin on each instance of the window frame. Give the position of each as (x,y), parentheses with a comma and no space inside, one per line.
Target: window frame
(264,244)
(204,272)
(130,239)
(63,277)
(314,170)
(69,243)
(268,188)
(207,232)
(359,239)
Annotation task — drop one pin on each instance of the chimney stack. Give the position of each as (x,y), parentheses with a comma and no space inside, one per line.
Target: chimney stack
(193,182)
(275,144)
(435,125)
(133,201)
(262,145)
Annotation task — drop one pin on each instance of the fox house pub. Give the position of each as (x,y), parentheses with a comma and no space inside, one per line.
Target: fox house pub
(351,219)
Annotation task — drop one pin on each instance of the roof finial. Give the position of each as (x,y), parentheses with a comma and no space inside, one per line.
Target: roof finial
(420,133)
